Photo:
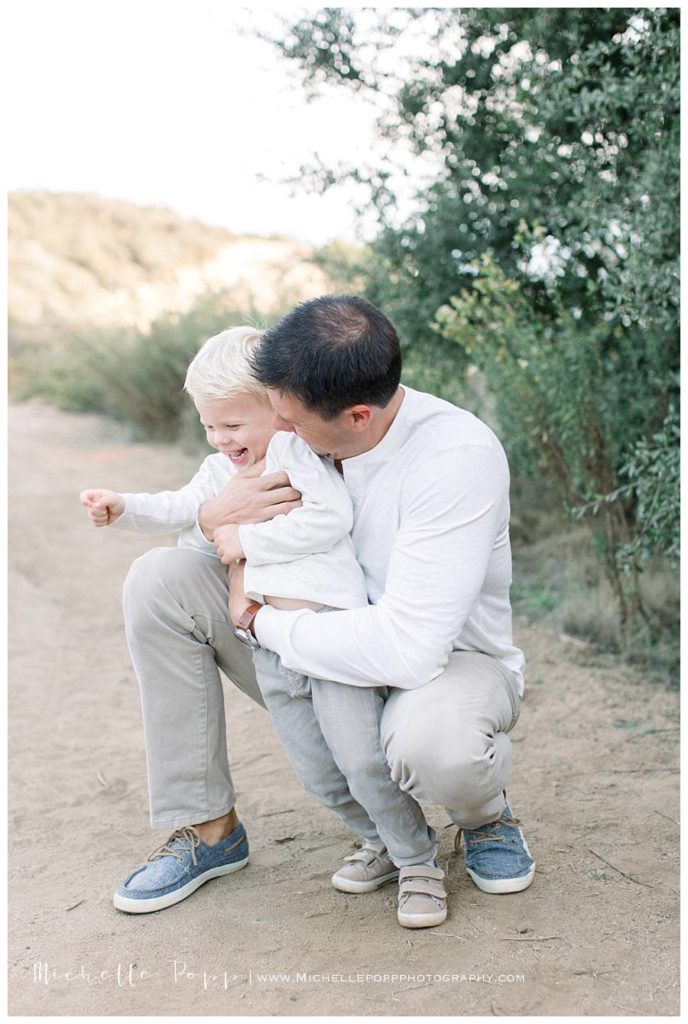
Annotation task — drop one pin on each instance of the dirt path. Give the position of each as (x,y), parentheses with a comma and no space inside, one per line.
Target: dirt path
(595,783)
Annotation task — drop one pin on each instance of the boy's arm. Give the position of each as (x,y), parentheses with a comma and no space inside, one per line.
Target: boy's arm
(325,515)
(453,517)
(168,511)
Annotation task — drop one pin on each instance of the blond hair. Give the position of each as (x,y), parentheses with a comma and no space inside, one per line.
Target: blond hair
(221,368)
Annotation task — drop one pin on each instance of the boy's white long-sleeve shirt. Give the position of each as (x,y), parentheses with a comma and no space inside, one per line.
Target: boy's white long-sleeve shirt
(431,532)
(307,554)
(173,511)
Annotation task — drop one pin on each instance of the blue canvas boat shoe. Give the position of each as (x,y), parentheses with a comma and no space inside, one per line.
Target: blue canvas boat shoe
(496,855)
(177,868)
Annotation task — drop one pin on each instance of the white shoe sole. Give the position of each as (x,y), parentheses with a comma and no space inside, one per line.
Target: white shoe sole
(499,886)
(422,920)
(350,885)
(147,906)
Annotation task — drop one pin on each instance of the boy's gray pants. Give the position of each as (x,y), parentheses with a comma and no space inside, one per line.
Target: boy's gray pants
(331,733)
(445,742)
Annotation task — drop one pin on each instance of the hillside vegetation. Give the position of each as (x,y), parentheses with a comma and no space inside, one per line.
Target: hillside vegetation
(110,301)
(81,261)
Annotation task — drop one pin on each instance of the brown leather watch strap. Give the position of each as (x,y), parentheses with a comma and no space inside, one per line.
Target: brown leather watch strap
(247,617)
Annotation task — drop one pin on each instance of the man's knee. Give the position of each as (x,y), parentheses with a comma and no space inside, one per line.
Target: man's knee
(147,574)
(161,576)
(451,767)
(162,565)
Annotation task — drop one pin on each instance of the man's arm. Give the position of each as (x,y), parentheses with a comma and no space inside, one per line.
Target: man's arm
(324,518)
(248,498)
(454,514)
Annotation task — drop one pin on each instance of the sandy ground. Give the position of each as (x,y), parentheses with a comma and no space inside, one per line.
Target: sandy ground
(595,784)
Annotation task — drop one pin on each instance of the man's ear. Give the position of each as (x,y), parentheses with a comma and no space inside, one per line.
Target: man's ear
(359,417)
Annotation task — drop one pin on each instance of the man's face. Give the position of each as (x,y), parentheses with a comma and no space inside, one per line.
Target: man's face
(326,437)
(239,427)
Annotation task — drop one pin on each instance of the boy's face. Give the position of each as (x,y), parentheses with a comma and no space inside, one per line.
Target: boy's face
(239,427)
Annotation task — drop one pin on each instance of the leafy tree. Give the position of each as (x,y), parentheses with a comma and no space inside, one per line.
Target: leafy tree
(545,230)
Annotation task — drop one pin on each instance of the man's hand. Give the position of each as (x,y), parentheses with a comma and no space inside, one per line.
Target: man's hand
(226,540)
(103,507)
(249,498)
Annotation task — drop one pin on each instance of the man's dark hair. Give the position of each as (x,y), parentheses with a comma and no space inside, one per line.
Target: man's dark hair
(330,353)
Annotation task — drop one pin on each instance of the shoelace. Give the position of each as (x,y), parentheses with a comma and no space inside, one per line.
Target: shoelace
(188,835)
(491,836)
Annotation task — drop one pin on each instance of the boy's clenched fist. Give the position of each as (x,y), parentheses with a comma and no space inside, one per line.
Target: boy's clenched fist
(103,507)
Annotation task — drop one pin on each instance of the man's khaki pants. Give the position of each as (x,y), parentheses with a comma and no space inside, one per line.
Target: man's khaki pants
(446,742)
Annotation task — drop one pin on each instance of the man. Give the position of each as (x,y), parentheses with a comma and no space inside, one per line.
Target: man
(430,489)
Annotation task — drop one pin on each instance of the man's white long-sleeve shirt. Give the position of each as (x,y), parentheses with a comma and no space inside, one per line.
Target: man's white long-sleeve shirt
(431,533)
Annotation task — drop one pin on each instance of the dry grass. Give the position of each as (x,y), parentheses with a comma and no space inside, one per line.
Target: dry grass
(559,578)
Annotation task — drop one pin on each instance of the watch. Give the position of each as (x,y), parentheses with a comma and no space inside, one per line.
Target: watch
(243,626)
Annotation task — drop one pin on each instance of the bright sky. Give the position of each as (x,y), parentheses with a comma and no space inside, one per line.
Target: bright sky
(173,103)
(176,103)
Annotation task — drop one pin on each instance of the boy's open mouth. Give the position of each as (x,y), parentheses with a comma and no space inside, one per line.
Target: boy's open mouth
(238,455)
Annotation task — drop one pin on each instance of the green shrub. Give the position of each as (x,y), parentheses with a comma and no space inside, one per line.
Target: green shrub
(134,377)
(544,229)
(572,403)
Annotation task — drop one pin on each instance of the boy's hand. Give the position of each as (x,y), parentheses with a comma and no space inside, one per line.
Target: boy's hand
(103,507)
(227,543)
